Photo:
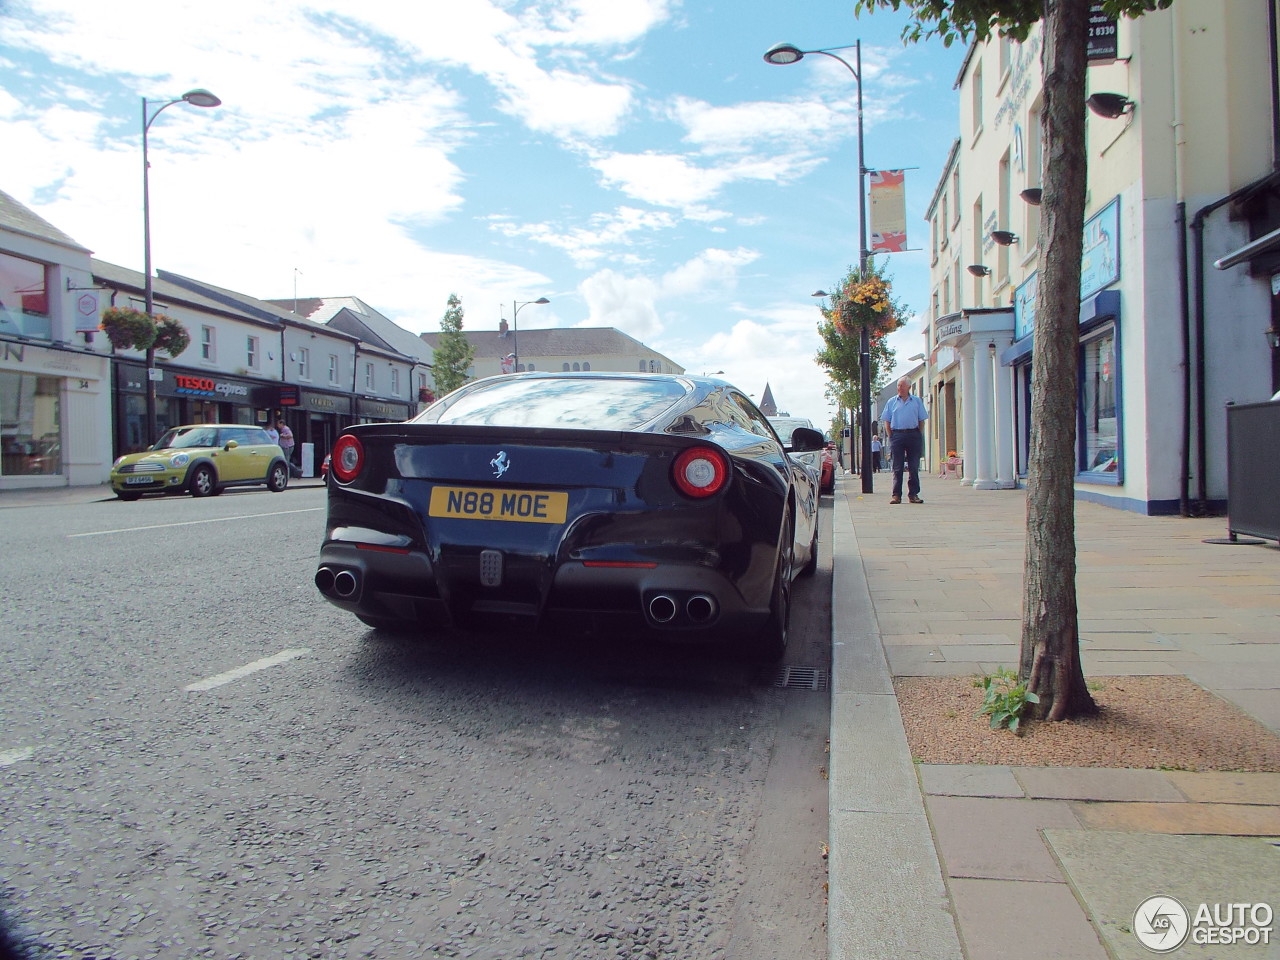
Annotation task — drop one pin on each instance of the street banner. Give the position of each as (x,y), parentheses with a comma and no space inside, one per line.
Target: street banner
(888,211)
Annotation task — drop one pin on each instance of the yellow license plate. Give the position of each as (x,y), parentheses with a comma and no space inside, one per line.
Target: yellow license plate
(477,503)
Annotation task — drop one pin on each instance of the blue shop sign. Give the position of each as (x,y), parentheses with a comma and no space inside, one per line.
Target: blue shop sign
(1099,267)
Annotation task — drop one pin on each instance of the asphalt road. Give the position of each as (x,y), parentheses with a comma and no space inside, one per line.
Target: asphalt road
(200,758)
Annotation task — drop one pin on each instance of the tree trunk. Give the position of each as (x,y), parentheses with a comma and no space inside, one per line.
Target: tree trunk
(1050,653)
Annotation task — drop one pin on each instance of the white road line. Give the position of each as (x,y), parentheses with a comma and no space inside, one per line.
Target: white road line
(282,657)
(192,523)
(10,757)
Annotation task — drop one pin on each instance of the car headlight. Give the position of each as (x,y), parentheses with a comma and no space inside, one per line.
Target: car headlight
(119,460)
(180,459)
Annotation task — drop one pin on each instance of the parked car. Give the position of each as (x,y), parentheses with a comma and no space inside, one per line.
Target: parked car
(203,459)
(785,427)
(827,476)
(660,502)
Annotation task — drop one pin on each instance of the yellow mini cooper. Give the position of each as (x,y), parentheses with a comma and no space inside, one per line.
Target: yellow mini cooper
(203,459)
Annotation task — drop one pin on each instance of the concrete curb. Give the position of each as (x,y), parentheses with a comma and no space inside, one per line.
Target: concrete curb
(886,896)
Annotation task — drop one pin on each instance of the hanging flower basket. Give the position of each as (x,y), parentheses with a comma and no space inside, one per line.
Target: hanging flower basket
(866,303)
(426,395)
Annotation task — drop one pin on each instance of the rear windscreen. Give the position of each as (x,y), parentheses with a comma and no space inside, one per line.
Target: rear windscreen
(606,403)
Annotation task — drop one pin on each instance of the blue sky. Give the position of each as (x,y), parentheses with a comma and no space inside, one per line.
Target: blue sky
(638,163)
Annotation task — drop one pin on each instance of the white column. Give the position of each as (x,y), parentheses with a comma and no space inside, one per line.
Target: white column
(967,425)
(1006,431)
(983,414)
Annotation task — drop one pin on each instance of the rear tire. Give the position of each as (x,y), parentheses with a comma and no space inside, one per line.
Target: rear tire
(278,478)
(202,483)
(771,643)
(811,566)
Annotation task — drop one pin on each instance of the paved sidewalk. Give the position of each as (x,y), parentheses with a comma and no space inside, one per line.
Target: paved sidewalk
(990,862)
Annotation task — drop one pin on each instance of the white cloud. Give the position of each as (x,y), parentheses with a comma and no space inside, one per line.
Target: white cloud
(628,303)
(710,270)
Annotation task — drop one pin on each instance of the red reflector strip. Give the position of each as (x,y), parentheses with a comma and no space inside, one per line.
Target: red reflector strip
(378,549)
(618,563)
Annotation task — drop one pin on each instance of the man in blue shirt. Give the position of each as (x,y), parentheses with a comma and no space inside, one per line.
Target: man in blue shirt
(904,417)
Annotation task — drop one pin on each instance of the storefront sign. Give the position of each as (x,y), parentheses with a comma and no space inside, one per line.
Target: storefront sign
(36,359)
(382,411)
(1100,256)
(87,313)
(207,387)
(1099,267)
(325,403)
(949,329)
(1102,42)
(288,395)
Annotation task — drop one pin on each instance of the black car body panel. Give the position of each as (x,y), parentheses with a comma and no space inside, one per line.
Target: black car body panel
(543,524)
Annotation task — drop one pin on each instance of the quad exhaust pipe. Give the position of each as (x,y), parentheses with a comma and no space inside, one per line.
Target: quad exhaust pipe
(662,609)
(343,584)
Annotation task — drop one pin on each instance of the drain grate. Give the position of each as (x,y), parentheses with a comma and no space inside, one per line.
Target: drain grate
(794,677)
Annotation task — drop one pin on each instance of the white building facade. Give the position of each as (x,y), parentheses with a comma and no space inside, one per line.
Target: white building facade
(1179,178)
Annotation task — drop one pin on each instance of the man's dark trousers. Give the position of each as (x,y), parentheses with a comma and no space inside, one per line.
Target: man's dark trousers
(906,447)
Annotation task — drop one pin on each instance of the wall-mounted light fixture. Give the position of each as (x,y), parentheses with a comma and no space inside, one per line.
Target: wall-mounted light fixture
(1273,338)
(1109,105)
(1004,237)
(1032,195)
(979,270)
(991,349)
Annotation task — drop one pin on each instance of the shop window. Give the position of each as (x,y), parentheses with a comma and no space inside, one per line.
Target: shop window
(30,425)
(1099,429)
(24,298)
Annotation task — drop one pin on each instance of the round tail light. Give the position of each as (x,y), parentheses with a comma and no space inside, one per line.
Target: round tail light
(347,458)
(700,471)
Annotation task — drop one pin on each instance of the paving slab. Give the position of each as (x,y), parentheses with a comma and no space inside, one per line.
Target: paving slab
(1114,873)
(1223,819)
(1096,783)
(1216,787)
(968,780)
(1008,920)
(1262,705)
(997,839)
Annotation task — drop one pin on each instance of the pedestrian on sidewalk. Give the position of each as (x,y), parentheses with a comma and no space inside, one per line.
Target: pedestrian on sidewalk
(875,452)
(287,444)
(904,416)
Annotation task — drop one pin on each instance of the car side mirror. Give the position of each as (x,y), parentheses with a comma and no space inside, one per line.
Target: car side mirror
(231,445)
(806,440)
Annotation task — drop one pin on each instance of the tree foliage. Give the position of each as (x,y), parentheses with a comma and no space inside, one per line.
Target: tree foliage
(1049,661)
(858,301)
(454,354)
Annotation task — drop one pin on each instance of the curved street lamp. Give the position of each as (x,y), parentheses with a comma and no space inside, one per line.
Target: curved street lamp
(787,53)
(515,330)
(197,98)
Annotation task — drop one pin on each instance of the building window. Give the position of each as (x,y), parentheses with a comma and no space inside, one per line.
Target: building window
(395,382)
(24,298)
(30,425)
(251,351)
(943,220)
(577,367)
(586,366)
(304,364)
(1100,453)
(532,367)
(333,368)
(564,367)
(1035,156)
(976,91)
(1002,217)
(955,197)
(642,366)
(208,344)
(368,376)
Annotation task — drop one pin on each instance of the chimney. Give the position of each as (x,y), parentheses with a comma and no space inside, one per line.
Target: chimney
(502,328)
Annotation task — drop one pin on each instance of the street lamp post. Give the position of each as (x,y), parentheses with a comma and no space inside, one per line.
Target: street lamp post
(197,98)
(515,330)
(785,53)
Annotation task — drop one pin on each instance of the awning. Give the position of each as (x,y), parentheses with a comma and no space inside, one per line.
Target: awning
(1268,241)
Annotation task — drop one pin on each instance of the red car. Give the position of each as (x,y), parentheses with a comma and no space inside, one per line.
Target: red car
(827,478)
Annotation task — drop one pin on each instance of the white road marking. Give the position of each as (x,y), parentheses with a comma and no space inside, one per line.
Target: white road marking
(10,757)
(282,657)
(191,523)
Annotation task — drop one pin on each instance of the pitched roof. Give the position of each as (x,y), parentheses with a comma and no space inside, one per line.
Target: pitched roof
(353,315)
(19,219)
(767,404)
(555,342)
